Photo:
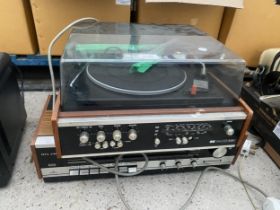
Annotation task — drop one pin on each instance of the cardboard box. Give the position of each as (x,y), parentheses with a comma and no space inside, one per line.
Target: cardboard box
(17,28)
(50,17)
(207,18)
(251,30)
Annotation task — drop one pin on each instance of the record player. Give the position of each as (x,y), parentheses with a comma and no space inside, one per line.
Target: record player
(131,88)
(122,66)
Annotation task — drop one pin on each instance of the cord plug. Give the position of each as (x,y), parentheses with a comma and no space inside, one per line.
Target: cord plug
(271,203)
(246,148)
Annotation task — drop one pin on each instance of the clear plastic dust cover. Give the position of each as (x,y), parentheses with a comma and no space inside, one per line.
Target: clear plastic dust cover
(131,66)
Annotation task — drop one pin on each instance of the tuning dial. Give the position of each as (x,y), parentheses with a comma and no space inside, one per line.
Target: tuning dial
(132,134)
(117,135)
(229,130)
(178,140)
(100,136)
(120,144)
(157,141)
(84,137)
(185,140)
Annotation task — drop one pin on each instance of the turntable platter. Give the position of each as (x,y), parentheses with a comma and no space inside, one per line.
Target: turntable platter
(159,79)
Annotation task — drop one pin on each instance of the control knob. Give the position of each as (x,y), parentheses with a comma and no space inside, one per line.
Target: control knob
(100,136)
(229,130)
(117,135)
(120,144)
(194,164)
(178,164)
(105,145)
(97,145)
(178,140)
(185,140)
(157,141)
(112,143)
(162,165)
(84,137)
(132,134)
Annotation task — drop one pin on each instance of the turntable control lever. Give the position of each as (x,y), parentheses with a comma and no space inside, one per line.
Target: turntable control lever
(84,137)
(117,135)
(229,130)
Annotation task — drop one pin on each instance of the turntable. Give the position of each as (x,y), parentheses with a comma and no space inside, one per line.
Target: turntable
(128,89)
(121,66)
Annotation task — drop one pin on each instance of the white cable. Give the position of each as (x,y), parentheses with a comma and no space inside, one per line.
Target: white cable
(119,189)
(187,203)
(117,174)
(51,46)
(244,186)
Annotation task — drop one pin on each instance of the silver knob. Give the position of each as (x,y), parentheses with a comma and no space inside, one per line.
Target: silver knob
(229,130)
(185,140)
(157,141)
(120,144)
(162,165)
(112,143)
(105,145)
(178,140)
(97,145)
(84,137)
(132,134)
(100,136)
(178,164)
(194,164)
(117,135)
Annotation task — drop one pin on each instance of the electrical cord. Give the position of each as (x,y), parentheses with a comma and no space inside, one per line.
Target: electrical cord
(53,43)
(244,186)
(187,203)
(119,189)
(117,174)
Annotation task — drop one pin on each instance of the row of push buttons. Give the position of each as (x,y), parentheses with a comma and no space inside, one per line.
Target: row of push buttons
(92,171)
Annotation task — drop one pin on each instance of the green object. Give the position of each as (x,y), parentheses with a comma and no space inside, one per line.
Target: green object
(124,47)
(142,67)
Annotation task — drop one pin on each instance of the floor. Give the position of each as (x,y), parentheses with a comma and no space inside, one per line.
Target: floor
(162,192)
